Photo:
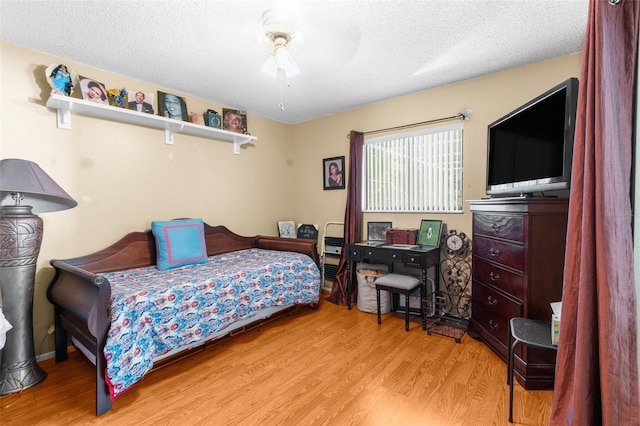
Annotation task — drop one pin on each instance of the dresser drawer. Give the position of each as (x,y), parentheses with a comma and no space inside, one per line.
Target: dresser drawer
(492,320)
(497,251)
(506,281)
(491,300)
(500,226)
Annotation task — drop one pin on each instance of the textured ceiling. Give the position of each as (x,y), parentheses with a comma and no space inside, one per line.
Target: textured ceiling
(351,53)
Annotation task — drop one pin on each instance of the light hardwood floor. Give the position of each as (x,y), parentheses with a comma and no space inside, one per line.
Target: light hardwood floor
(325,367)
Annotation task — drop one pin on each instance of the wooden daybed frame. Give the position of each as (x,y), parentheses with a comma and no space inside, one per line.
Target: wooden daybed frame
(81,296)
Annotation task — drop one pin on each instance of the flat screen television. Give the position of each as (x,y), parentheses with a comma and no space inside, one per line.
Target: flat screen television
(530,150)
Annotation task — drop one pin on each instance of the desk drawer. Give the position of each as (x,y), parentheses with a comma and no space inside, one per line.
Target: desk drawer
(412,259)
(500,226)
(374,253)
(497,251)
(500,278)
(355,253)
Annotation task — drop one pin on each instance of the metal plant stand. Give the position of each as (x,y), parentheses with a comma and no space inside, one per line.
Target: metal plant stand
(449,308)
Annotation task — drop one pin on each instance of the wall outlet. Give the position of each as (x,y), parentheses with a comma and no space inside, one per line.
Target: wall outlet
(51,329)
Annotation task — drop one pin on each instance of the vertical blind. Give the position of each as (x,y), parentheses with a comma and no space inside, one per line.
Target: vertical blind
(419,171)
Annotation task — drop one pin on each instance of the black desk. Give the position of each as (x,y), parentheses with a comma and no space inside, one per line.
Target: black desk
(420,257)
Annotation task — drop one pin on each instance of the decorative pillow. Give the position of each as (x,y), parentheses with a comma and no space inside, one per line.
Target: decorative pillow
(179,242)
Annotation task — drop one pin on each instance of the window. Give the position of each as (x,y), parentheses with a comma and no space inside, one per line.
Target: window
(419,171)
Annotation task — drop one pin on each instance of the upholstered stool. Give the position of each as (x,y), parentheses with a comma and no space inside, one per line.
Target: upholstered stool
(403,284)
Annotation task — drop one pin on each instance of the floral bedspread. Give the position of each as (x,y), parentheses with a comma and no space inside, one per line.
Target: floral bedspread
(154,311)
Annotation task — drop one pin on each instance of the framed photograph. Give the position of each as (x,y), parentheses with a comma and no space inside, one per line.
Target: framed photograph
(142,101)
(430,231)
(287,229)
(197,118)
(234,120)
(93,91)
(377,231)
(172,106)
(333,169)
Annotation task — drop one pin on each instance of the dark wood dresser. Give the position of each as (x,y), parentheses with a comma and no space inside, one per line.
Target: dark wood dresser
(518,262)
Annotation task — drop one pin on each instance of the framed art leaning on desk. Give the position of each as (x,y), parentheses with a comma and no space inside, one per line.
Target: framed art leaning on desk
(377,231)
(430,231)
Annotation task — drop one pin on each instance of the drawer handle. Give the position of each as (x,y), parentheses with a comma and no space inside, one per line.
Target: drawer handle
(355,253)
(369,253)
(493,325)
(495,226)
(494,277)
(494,252)
(394,255)
(492,301)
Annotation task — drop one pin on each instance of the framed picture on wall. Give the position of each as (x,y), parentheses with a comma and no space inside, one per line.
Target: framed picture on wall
(333,173)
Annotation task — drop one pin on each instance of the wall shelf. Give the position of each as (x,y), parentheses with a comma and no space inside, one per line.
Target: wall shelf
(66,105)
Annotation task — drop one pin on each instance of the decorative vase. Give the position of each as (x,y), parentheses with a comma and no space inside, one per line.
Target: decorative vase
(117,97)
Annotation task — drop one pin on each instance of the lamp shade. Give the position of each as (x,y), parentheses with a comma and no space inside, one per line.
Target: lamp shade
(40,192)
(285,62)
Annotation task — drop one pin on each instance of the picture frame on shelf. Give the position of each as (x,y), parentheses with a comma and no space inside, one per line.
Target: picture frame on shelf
(212,119)
(287,229)
(172,106)
(61,79)
(333,173)
(377,231)
(93,90)
(142,101)
(430,232)
(234,120)
(197,118)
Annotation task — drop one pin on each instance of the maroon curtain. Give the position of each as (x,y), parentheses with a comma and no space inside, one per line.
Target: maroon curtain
(352,220)
(596,379)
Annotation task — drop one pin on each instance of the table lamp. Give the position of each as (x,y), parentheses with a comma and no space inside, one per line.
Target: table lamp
(20,238)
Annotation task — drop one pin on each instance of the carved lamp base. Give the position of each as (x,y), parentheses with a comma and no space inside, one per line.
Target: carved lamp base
(20,238)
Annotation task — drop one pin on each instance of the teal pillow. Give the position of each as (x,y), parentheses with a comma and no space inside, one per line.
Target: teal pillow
(179,242)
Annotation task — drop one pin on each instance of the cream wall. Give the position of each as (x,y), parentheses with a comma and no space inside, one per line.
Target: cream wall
(124,176)
(490,97)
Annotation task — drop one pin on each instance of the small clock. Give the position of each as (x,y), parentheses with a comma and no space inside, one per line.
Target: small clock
(456,242)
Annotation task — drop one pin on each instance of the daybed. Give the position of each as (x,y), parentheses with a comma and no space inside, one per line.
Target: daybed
(124,313)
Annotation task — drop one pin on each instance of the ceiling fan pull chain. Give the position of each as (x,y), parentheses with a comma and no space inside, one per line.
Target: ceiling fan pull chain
(281,105)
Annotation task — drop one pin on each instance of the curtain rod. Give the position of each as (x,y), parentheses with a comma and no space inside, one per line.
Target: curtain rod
(463,115)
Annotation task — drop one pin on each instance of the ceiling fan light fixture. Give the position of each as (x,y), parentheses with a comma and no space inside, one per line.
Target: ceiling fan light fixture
(285,61)
(270,67)
(280,59)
